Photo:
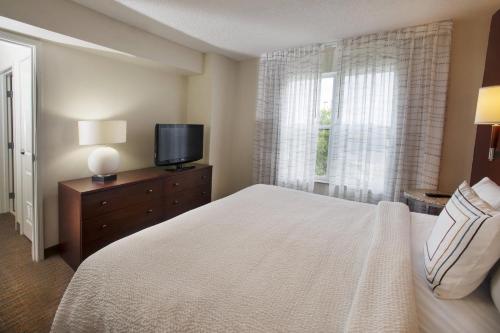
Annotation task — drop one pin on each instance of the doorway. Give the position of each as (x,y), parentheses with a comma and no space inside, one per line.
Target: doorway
(18,125)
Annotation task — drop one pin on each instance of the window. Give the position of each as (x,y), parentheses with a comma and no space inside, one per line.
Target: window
(360,94)
(325,120)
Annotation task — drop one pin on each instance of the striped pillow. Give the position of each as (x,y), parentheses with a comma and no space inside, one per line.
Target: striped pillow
(463,246)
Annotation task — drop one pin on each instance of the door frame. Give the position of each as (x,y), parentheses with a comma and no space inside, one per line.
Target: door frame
(37,248)
(4,199)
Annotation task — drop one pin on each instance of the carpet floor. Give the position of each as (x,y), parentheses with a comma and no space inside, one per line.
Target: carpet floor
(29,292)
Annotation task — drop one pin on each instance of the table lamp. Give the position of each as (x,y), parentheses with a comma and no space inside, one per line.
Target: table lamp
(488,113)
(103,161)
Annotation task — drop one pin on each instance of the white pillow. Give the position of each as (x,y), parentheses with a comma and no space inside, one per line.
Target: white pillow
(463,246)
(489,191)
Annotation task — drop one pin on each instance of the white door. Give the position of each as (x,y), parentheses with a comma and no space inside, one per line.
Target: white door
(26,119)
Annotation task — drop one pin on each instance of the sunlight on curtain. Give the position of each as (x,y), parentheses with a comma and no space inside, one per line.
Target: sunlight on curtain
(364,135)
(363,116)
(286,126)
(388,129)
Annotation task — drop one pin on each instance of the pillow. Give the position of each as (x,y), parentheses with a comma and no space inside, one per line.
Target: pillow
(495,286)
(463,245)
(489,191)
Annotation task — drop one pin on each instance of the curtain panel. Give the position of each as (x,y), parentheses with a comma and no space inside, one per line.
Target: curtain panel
(388,128)
(286,126)
(388,113)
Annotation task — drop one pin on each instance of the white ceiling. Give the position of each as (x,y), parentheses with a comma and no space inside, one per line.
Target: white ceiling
(247,28)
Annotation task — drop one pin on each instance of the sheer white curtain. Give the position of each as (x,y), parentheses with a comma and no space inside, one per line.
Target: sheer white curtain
(286,126)
(387,131)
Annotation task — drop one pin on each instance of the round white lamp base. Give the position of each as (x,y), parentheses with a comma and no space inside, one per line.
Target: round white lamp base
(104,163)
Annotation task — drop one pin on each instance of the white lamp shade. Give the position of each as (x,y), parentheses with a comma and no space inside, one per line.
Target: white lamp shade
(488,106)
(98,132)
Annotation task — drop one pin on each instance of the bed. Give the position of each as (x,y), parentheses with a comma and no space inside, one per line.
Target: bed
(268,259)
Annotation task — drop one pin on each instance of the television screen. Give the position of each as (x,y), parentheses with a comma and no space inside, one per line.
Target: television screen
(177,144)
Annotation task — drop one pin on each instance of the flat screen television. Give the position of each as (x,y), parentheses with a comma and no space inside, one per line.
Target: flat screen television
(176,144)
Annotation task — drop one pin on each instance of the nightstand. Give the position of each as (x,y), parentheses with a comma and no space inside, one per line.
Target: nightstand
(421,203)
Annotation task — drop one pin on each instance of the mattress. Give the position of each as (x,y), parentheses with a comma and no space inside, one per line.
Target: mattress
(474,313)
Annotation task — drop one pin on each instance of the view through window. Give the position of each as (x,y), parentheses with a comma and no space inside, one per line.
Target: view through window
(325,120)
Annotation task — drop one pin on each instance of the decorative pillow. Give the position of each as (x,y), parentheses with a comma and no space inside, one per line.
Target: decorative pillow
(495,286)
(489,191)
(463,245)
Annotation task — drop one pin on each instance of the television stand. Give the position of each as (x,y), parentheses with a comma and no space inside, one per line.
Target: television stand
(139,199)
(180,167)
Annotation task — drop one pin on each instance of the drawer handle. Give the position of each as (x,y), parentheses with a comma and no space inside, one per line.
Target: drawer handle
(149,211)
(204,177)
(176,184)
(104,203)
(175,202)
(104,226)
(203,193)
(149,191)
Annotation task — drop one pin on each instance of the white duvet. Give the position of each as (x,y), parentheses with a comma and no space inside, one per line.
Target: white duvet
(265,259)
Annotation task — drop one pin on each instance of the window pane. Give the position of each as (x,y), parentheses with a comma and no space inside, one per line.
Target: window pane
(326,97)
(325,119)
(322,154)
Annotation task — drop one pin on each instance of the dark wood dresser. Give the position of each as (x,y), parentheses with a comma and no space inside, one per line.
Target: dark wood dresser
(92,215)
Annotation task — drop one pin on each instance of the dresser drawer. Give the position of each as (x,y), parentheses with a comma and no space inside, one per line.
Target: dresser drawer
(180,202)
(91,246)
(122,222)
(99,203)
(188,181)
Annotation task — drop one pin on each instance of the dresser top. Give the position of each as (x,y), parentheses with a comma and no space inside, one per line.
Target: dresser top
(84,185)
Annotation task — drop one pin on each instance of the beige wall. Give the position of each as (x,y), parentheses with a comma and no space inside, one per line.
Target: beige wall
(212,102)
(223,71)
(468,54)
(71,19)
(244,124)
(199,104)
(223,99)
(80,85)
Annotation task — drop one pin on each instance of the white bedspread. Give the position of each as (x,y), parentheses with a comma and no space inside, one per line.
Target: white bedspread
(265,259)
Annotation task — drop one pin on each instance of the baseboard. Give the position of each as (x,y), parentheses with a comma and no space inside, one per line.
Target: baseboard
(50,251)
